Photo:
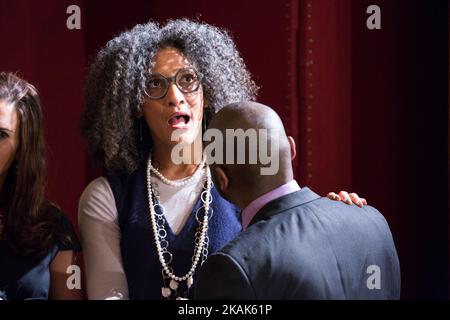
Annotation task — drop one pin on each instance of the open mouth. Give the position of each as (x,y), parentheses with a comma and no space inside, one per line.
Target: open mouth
(179,120)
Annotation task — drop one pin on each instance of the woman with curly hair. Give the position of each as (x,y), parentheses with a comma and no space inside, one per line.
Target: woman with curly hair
(37,243)
(149,223)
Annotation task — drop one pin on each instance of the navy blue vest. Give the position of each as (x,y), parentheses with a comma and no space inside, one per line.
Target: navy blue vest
(140,261)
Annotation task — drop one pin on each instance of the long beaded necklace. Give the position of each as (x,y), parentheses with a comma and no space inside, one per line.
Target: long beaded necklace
(159,232)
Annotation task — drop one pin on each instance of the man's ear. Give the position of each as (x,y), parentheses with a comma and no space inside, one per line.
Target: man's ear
(293,147)
(221,178)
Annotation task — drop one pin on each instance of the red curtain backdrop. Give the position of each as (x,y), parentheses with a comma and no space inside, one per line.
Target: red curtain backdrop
(367,108)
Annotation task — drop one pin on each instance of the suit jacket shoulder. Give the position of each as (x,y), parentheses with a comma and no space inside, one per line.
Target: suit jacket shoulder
(302,246)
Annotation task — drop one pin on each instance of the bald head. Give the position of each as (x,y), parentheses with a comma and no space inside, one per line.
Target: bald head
(247,115)
(265,141)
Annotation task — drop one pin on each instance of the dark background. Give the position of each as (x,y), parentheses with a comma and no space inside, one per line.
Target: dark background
(368,108)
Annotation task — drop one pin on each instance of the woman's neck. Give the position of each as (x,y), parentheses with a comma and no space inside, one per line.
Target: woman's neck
(162,160)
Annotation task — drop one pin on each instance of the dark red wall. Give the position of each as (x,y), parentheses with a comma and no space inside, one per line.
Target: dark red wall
(368,109)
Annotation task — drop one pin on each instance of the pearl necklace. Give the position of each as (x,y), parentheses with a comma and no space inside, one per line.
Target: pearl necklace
(176,183)
(159,233)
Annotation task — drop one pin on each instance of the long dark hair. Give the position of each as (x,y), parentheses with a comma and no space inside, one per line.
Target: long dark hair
(29,227)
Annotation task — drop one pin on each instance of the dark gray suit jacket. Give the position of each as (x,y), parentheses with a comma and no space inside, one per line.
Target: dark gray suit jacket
(303,246)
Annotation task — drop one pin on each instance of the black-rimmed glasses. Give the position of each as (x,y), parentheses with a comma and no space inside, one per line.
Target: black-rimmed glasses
(186,80)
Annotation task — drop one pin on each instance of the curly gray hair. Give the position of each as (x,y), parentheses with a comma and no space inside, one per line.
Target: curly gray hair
(116,83)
